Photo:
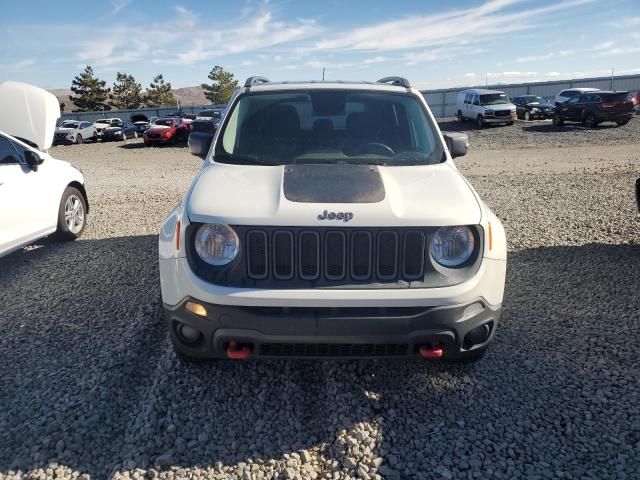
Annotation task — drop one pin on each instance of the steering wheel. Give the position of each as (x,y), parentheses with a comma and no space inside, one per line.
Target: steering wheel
(378,148)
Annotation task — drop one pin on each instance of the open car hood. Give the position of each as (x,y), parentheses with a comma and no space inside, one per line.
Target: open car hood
(28,113)
(139,117)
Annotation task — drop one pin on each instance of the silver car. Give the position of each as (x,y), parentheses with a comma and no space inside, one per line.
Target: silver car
(75,131)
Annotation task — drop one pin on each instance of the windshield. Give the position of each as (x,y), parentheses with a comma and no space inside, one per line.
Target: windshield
(69,125)
(108,122)
(535,99)
(494,99)
(167,122)
(327,126)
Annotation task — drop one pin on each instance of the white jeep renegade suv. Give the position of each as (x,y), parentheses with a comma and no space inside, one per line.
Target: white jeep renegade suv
(329,220)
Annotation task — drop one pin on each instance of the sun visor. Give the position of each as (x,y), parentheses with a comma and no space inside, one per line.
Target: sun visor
(28,113)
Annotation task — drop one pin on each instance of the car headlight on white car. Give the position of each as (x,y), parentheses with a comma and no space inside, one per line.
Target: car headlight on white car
(217,244)
(452,246)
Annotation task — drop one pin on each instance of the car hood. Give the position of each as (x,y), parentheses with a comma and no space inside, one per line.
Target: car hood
(540,105)
(29,113)
(111,129)
(429,195)
(158,128)
(65,130)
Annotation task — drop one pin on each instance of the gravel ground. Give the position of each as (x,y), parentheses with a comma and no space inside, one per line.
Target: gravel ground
(89,386)
(542,134)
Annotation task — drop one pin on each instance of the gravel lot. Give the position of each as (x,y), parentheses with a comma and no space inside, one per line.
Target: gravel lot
(89,385)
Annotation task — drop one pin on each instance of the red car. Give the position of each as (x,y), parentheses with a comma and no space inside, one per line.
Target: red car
(166,130)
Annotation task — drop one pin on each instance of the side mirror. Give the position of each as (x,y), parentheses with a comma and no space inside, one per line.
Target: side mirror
(199,145)
(32,159)
(457,143)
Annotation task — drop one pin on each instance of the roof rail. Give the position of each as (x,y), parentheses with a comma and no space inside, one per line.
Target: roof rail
(398,81)
(252,81)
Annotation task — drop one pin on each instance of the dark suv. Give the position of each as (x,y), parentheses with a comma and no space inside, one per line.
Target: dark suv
(593,108)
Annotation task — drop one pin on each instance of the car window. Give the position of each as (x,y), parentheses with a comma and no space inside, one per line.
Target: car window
(329,126)
(476,100)
(8,153)
(573,100)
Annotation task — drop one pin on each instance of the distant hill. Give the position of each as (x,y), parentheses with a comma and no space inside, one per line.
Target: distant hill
(187,96)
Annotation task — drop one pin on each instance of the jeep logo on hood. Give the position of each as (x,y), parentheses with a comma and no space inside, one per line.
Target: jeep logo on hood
(344,216)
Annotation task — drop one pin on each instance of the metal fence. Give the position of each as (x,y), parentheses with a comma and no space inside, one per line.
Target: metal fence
(126,114)
(443,102)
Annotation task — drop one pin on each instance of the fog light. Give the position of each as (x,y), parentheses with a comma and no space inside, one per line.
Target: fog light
(188,334)
(477,335)
(196,309)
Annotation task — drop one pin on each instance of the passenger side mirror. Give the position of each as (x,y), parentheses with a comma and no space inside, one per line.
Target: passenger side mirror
(457,143)
(32,159)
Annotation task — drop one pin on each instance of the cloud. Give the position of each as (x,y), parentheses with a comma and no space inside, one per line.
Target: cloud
(19,66)
(627,22)
(426,31)
(118,5)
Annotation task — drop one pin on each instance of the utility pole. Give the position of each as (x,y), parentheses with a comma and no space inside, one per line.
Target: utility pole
(323,68)
(612,70)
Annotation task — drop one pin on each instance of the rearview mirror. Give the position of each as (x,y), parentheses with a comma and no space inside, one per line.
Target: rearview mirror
(457,143)
(32,159)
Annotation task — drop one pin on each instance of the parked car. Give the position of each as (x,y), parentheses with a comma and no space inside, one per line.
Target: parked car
(39,194)
(203,129)
(74,131)
(530,107)
(596,107)
(166,130)
(329,220)
(103,123)
(140,122)
(210,114)
(119,132)
(187,118)
(485,107)
(565,95)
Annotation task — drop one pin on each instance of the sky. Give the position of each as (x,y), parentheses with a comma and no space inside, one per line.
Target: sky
(434,43)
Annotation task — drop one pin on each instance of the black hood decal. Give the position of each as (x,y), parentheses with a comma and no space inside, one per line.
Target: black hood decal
(334,183)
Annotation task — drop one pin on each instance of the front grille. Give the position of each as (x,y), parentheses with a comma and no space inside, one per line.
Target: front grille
(334,256)
(333,349)
(153,135)
(503,113)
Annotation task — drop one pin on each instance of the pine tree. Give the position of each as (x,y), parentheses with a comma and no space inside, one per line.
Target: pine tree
(159,93)
(90,92)
(126,93)
(222,87)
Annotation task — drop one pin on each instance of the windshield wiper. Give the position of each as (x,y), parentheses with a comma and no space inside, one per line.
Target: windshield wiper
(236,160)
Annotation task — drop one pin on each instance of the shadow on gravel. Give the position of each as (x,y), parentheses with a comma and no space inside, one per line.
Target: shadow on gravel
(137,145)
(88,379)
(567,127)
(456,126)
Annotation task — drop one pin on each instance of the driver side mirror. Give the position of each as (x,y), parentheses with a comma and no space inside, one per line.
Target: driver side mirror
(457,143)
(32,159)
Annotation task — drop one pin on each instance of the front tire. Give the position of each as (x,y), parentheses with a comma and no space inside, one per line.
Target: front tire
(460,117)
(527,116)
(78,139)
(620,123)
(72,214)
(135,134)
(590,121)
(94,139)
(480,122)
(557,120)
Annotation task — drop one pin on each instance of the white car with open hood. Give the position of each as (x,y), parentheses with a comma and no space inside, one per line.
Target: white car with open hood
(329,220)
(39,195)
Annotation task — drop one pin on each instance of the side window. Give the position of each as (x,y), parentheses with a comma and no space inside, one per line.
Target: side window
(8,154)
(467,98)
(476,100)
(572,100)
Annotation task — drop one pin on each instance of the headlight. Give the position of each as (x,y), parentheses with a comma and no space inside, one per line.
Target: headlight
(488,112)
(452,246)
(535,110)
(217,244)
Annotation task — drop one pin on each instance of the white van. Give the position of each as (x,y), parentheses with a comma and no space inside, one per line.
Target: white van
(485,106)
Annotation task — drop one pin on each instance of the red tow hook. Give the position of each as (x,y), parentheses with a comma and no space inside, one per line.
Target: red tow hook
(428,352)
(235,352)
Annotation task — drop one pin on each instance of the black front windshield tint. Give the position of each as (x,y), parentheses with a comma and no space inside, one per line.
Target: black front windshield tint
(165,123)
(327,126)
(494,99)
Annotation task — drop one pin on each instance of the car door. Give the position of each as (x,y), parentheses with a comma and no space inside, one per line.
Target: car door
(569,108)
(519,103)
(475,107)
(24,192)
(86,130)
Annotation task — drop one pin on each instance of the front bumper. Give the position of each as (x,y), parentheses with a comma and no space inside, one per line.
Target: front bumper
(157,140)
(508,119)
(271,332)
